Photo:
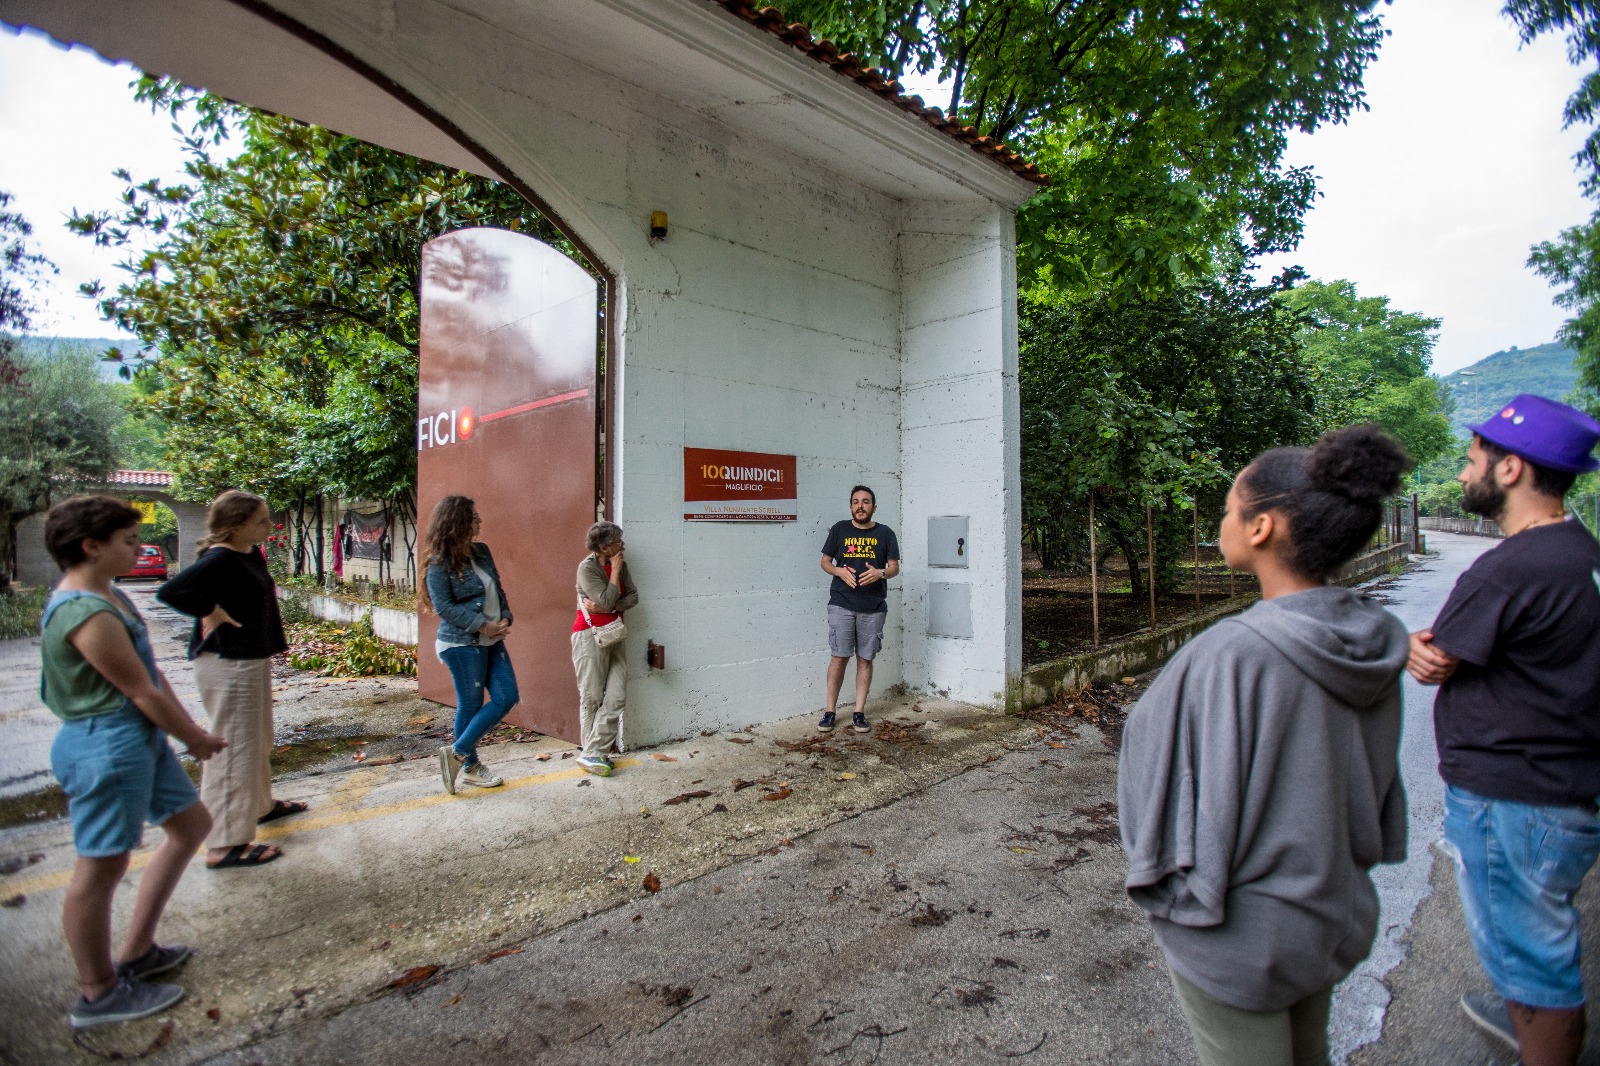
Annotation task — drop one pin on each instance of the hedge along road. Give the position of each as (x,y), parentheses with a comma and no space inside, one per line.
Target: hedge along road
(979,917)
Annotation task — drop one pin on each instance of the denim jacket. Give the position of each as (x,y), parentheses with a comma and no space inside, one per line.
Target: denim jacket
(458,598)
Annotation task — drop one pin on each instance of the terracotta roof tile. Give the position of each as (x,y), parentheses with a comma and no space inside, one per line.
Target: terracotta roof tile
(152,479)
(824,51)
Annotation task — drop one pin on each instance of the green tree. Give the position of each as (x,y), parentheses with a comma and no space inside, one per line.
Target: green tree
(1572,262)
(1163,125)
(61,419)
(1372,363)
(1150,403)
(281,286)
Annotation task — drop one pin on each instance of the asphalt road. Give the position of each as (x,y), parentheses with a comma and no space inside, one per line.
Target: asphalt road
(981,919)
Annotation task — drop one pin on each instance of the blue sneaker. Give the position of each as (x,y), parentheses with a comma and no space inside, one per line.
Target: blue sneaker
(858,722)
(827,723)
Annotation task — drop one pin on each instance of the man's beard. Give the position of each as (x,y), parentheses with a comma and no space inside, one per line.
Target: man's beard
(1484,497)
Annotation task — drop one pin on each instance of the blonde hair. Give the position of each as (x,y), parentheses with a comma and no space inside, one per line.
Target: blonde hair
(227,513)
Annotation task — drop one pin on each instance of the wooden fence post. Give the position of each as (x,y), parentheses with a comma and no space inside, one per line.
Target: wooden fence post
(1195,501)
(1150,559)
(1094,574)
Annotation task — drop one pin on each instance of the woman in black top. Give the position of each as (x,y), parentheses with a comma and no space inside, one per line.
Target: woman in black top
(237,630)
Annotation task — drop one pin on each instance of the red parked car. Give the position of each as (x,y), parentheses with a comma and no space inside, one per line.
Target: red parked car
(152,562)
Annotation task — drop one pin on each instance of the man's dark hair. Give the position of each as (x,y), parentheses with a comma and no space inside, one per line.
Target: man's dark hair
(1546,481)
(81,518)
(1331,494)
(869,492)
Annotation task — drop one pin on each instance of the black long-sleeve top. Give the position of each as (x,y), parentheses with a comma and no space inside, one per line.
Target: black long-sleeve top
(240,584)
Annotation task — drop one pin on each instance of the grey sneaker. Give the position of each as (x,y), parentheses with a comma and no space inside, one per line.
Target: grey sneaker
(449,765)
(479,776)
(157,960)
(1489,1014)
(127,1000)
(829,720)
(600,767)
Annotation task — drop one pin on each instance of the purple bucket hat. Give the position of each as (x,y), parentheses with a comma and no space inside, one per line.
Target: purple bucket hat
(1544,432)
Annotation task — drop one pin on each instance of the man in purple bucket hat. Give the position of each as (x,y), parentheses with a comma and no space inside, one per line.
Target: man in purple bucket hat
(1516,655)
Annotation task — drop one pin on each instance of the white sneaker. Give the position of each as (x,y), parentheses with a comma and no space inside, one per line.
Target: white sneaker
(479,776)
(449,765)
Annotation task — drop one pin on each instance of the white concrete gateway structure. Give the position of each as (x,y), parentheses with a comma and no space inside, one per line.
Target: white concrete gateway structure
(837,284)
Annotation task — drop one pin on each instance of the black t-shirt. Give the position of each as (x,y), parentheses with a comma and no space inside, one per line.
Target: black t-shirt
(241,584)
(1520,718)
(848,545)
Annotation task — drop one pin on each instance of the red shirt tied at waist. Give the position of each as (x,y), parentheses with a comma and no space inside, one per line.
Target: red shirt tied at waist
(600,618)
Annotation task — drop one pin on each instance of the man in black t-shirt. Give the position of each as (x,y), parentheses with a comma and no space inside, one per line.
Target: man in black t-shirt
(861,555)
(1516,653)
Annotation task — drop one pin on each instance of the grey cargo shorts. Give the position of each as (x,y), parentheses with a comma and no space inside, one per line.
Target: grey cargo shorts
(858,633)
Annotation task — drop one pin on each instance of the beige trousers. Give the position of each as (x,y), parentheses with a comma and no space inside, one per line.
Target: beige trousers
(236,783)
(602,688)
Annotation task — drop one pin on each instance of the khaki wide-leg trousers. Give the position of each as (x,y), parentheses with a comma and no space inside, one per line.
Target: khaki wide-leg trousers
(602,688)
(236,783)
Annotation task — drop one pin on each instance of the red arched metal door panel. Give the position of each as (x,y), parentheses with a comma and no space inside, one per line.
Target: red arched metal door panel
(506,415)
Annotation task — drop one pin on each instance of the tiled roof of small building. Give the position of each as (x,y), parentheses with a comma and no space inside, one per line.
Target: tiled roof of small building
(145,479)
(826,52)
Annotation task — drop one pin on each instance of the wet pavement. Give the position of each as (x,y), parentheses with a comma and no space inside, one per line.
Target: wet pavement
(945,890)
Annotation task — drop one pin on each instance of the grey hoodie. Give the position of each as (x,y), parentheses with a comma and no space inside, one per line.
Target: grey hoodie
(1259,782)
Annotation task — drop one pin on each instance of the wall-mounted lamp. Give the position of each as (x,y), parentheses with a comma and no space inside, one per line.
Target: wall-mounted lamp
(658,226)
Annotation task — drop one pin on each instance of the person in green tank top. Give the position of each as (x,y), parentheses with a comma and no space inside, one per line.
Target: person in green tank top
(111,755)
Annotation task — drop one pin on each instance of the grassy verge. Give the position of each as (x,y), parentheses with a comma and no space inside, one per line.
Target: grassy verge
(20,609)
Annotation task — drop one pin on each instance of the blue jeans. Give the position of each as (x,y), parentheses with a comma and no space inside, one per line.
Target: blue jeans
(474,669)
(1519,867)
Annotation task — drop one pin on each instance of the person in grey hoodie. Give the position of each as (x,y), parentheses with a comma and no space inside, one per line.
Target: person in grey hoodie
(1259,779)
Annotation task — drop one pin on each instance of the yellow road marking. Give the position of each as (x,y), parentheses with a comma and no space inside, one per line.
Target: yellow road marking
(307,823)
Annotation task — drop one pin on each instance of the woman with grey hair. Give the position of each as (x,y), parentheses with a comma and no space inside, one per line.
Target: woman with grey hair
(605,591)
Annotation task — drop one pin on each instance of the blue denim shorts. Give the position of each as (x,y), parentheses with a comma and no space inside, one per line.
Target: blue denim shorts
(118,772)
(1519,867)
(858,633)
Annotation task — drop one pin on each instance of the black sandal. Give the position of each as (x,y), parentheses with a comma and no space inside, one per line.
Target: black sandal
(246,855)
(282,809)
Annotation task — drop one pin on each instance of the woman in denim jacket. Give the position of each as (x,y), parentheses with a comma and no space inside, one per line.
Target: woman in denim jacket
(463,587)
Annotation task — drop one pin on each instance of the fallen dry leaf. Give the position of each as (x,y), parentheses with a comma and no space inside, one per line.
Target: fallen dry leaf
(215,1014)
(415,975)
(685,797)
(630,858)
(453,1000)
(740,784)
(781,794)
(637,918)
(741,740)
(1024,851)
(384,761)
(543,756)
(1054,744)
(566,755)
(658,757)
(652,883)
(1130,681)
(846,776)
(716,890)
(14,901)
(359,756)
(502,953)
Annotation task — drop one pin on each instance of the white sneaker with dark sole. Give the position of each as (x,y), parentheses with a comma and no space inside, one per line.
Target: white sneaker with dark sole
(1489,1014)
(128,1000)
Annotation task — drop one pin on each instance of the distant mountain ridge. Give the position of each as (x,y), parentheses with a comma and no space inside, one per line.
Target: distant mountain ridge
(1479,390)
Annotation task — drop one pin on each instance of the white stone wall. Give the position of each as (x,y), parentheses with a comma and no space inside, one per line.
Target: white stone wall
(837,284)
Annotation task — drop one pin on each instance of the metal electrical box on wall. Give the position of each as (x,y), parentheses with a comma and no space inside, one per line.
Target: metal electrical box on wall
(949,609)
(948,544)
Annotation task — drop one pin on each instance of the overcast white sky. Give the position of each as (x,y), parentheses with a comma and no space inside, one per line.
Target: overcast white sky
(1430,198)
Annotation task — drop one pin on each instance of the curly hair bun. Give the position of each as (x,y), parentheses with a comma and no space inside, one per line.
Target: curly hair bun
(1360,463)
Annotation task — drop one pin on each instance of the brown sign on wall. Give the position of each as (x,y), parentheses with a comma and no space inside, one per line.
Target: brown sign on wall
(723,486)
(506,415)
